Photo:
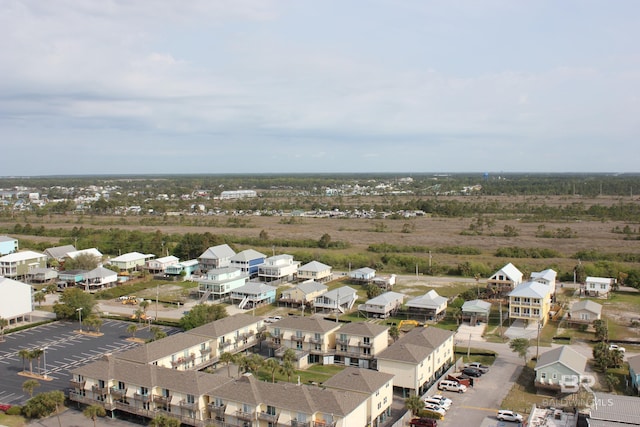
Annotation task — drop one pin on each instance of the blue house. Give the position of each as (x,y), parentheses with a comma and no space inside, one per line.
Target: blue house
(71,278)
(8,245)
(254,294)
(186,268)
(248,261)
(634,372)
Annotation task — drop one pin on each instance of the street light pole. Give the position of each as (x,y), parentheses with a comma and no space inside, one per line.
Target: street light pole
(79,310)
(538,341)
(44,354)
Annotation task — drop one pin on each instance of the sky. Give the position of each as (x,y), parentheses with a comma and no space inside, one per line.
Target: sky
(318,86)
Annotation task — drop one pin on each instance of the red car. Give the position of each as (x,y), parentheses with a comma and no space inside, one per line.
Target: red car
(4,407)
(423,422)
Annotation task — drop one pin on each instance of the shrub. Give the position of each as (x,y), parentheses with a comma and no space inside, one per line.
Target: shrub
(14,410)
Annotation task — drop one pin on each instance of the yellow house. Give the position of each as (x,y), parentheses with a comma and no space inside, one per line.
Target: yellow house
(530,301)
(418,358)
(315,270)
(247,401)
(312,338)
(357,343)
(305,293)
(378,386)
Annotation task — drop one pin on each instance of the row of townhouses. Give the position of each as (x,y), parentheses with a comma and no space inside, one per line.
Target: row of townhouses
(166,376)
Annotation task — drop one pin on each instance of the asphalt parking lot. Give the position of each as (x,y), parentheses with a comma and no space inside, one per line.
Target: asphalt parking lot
(65,349)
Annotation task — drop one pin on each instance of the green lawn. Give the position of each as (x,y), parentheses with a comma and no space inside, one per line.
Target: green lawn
(12,420)
(315,373)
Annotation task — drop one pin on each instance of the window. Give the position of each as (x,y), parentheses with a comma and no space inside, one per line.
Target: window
(299,345)
(554,376)
(191,398)
(543,375)
(299,334)
(271,410)
(366,340)
(379,405)
(317,337)
(219,402)
(121,385)
(516,300)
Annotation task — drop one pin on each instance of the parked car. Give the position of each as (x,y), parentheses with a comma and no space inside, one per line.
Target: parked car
(437,402)
(4,407)
(477,365)
(449,385)
(509,416)
(472,372)
(435,408)
(616,347)
(423,422)
(443,401)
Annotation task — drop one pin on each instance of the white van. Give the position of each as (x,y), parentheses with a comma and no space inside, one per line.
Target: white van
(449,385)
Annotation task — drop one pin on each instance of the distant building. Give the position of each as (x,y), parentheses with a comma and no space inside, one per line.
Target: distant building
(159,265)
(504,280)
(8,245)
(130,261)
(429,306)
(216,257)
(382,306)
(315,270)
(19,264)
(364,274)
(584,312)
(238,194)
(278,268)
(303,294)
(219,283)
(476,311)
(59,253)
(16,303)
(530,301)
(546,277)
(248,261)
(336,300)
(598,286)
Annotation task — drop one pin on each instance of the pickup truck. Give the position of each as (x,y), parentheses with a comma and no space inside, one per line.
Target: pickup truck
(477,365)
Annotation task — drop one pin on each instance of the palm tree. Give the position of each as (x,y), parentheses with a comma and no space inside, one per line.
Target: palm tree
(139,313)
(157,333)
(254,363)
(93,412)
(162,420)
(394,332)
(36,353)
(29,385)
(131,329)
(612,380)
(39,297)
(287,369)
(144,304)
(289,355)
(272,366)
(414,404)
(24,355)
(3,324)
(227,358)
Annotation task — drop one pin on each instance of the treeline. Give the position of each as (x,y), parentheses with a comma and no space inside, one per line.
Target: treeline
(452,250)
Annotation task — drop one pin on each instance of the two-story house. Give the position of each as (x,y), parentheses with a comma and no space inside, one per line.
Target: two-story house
(216,257)
(382,306)
(596,286)
(312,338)
(357,343)
(159,265)
(130,261)
(531,302)
(417,359)
(253,294)
(504,280)
(99,278)
(302,295)
(17,265)
(278,268)
(8,245)
(316,271)
(248,261)
(339,300)
(378,386)
(429,306)
(219,283)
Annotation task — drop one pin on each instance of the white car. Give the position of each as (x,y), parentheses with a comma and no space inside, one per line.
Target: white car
(616,347)
(436,402)
(509,416)
(446,402)
(435,408)
(477,365)
(449,385)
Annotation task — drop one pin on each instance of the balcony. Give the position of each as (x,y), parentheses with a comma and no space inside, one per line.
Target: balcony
(118,393)
(163,400)
(145,398)
(297,338)
(272,418)
(96,389)
(205,350)
(217,409)
(224,345)
(296,423)
(188,405)
(365,344)
(77,384)
(316,340)
(246,416)
(324,424)
(342,341)
(77,397)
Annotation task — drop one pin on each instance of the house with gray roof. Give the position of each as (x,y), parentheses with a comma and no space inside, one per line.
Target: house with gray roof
(216,257)
(362,275)
(417,359)
(253,294)
(546,277)
(429,306)
(41,275)
(339,300)
(475,311)
(358,343)
(17,265)
(598,286)
(131,261)
(378,386)
(559,366)
(584,312)
(382,306)
(316,271)
(614,410)
(99,278)
(59,253)
(8,245)
(248,261)
(302,294)
(219,283)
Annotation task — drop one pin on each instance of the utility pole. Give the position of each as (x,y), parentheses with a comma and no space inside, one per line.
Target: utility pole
(501,319)
(157,294)
(538,340)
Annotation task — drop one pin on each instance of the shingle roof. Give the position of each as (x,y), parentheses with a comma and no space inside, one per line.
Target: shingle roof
(254,288)
(547,274)
(221,327)
(247,255)
(588,305)
(308,324)
(359,380)
(615,407)
(429,300)
(59,252)
(100,272)
(416,345)
(564,355)
(217,252)
(131,256)
(476,306)
(149,352)
(312,286)
(314,266)
(634,363)
(362,329)
(298,398)
(385,298)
